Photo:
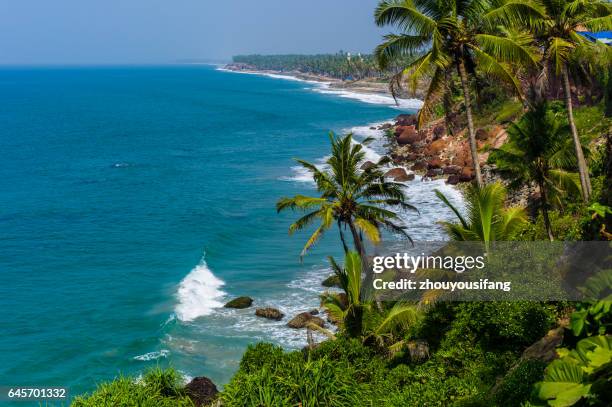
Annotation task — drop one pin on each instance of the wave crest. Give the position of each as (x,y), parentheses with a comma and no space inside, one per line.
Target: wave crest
(199,293)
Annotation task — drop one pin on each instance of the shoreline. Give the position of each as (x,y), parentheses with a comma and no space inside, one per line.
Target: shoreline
(364,90)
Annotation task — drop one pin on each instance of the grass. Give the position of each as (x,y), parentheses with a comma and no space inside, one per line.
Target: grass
(157,388)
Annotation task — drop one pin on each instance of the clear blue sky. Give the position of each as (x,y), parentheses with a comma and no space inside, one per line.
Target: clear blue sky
(160,31)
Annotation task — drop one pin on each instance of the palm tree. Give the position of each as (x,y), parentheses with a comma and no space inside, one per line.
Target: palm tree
(347,310)
(349,197)
(538,151)
(457,35)
(352,310)
(487,219)
(557,24)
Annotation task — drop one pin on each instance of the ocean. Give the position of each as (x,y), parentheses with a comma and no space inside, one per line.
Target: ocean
(135,201)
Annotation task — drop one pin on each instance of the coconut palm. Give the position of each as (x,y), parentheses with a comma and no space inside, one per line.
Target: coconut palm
(353,309)
(459,35)
(349,197)
(487,219)
(538,151)
(557,24)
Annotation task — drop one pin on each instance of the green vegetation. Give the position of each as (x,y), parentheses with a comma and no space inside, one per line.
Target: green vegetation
(340,66)
(350,197)
(537,151)
(487,219)
(431,352)
(462,35)
(157,388)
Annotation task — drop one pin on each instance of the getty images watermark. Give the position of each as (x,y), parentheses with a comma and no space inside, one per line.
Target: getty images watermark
(499,271)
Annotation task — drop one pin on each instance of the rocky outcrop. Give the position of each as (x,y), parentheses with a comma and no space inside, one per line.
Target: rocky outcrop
(270,313)
(303,319)
(436,153)
(240,303)
(406,120)
(409,135)
(331,281)
(399,175)
(367,164)
(202,391)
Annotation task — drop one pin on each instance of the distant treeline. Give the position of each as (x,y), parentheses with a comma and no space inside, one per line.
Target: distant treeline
(341,65)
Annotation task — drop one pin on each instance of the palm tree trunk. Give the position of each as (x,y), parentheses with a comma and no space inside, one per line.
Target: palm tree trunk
(344,246)
(468,111)
(583,170)
(358,243)
(544,205)
(448,103)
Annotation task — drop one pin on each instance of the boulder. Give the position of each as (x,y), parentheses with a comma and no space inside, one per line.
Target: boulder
(453,179)
(419,166)
(399,130)
(434,172)
(436,146)
(411,157)
(270,313)
(303,319)
(240,302)
(367,164)
(406,120)
(399,175)
(331,281)
(468,172)
(434,163)
(482,134)
(452,170)
(385,126)
(202,391)
(314,311)
(409,136)
(463,156)
(439,131)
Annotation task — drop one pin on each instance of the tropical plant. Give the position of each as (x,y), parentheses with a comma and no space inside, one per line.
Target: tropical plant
(557,26)
(487,219)
(455,34)
(594,317)
(537,151)
(355,307)
(157,387)
(350,197)
(581,373)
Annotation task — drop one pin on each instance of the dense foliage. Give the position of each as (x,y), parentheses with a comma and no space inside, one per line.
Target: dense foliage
(340,65)
(157,388)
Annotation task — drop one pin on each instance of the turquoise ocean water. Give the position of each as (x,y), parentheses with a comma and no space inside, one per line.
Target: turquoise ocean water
(136,200)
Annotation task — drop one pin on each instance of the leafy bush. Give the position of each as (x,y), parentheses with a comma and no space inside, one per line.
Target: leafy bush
(501,325)
(518,384)
(158,388)
(268,376)
(579,374)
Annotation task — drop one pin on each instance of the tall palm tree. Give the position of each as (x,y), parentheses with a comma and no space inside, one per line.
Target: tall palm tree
(349,197)
(556,25)
(538,151)
(455,34)
(487,219)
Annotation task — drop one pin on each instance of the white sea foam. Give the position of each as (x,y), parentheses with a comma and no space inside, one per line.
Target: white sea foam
(325,88)
(373,98)
(199,293)
(153,355)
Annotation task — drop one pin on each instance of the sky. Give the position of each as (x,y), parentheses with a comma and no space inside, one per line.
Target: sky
(43,32)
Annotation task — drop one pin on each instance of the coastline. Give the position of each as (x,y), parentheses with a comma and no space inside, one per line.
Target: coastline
(369,91)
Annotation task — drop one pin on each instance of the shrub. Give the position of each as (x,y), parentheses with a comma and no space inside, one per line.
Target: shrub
(517,386)
(158,388)
(501,325)
(268,376)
